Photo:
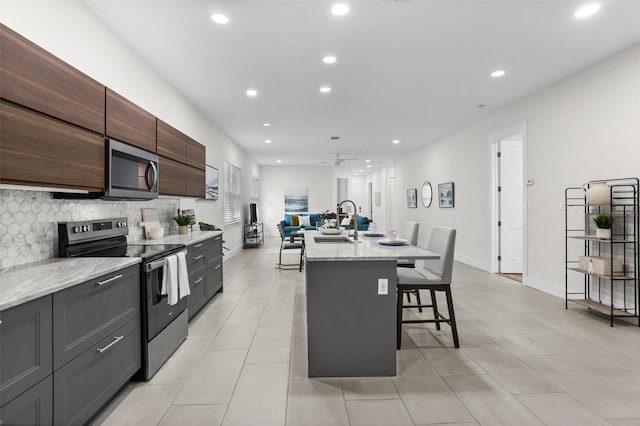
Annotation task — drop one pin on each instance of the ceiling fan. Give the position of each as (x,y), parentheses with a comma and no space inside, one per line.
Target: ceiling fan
(339,158)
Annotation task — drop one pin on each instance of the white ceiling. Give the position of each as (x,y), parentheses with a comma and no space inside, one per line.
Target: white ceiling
(413,70)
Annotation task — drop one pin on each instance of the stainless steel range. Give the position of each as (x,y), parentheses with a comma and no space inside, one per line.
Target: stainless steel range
(164,326)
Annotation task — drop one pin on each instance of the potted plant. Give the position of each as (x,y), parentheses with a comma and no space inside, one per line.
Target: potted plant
(603,222)
(326,217)
(183,221)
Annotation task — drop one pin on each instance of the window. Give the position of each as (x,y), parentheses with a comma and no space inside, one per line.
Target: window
(232,198)
(255,189)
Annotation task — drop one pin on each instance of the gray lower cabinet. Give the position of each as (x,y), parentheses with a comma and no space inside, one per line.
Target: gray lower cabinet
(25,347)
(33,408)
(84,314)
(85,384)
(63,356)
(204,262)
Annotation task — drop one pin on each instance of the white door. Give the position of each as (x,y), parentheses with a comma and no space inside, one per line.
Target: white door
(511,214)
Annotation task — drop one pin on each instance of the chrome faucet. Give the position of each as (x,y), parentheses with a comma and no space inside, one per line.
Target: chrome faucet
(355,218)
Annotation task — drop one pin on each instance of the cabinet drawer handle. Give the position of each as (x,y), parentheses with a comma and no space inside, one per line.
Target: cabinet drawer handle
(198,280)
(218,266)
(115,340)
(109,280)
(198,257)
(199,245)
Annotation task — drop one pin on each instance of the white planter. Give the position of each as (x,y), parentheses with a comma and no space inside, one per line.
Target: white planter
(598,194)
(603,233)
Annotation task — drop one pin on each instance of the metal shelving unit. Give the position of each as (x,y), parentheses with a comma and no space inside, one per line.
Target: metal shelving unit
(614,293)
(253,235)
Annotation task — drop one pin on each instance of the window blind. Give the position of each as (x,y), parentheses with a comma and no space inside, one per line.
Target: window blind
(232,196)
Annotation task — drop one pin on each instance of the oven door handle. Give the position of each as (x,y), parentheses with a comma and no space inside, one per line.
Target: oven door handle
(152,266)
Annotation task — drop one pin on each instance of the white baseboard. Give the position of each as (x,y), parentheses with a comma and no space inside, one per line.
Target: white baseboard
(543,286)
(485,266)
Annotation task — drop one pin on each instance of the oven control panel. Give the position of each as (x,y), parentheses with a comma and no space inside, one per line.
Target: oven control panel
(93,229)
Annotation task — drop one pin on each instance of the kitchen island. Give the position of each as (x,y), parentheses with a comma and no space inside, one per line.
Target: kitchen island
(351,304)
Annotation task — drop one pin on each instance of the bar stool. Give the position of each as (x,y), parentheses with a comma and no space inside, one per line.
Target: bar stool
(435,276)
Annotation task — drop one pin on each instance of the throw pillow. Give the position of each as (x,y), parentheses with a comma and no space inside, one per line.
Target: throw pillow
(304,220)
(287,220)
(294,220)
(351,221)
(345,222)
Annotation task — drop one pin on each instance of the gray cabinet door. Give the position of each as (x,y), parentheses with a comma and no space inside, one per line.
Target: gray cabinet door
(213,247)
(85,384)
(195,301)
(32,408)
(214,279)
(85,313)
(25,347)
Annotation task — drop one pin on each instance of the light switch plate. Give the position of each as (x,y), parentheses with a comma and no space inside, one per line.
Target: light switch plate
(383,286)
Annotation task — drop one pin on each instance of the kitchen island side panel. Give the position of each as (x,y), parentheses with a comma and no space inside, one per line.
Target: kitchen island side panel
(351,328)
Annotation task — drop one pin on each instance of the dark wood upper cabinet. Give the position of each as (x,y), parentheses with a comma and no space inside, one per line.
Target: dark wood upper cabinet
(129,123)
(171,142)
(37,149)
(33,77)
(172,177)
(195,182)
(196,154)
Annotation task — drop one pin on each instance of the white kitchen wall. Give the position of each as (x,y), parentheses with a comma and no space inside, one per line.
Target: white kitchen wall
(70,31)
(583,128)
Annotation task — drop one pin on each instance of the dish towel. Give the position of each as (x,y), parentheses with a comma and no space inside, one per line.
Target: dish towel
(170,279)
(183,275)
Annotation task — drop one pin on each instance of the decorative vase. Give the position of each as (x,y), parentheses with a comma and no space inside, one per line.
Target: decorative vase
(603,233)
(182,230)
(598,193)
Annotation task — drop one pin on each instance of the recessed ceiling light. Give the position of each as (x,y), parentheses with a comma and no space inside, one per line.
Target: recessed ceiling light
(278,161)
(360,171)
(252,92)
(396,141)
(367,161)
(266,124)
(368,165)
(329,59)
(325,89)
(267,141)
(498,73)
(219,18)
(587,10)
(340,9)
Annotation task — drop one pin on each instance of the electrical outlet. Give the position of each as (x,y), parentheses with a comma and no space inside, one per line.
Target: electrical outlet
(383,286)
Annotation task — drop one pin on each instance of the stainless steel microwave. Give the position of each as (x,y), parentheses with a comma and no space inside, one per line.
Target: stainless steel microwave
(132,173)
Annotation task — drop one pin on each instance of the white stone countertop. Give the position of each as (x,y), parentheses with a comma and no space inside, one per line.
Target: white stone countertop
(366,248)
(20,284)
(188,239)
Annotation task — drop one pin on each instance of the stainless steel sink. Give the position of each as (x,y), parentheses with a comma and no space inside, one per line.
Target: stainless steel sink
(333,239)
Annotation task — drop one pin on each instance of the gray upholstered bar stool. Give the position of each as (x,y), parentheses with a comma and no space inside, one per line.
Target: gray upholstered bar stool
(409,231)
(435,276)
(298,243)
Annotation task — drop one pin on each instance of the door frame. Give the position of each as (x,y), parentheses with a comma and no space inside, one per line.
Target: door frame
(494,139)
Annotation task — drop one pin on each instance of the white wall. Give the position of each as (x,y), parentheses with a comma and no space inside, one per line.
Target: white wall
(70,31)
(583,128)
(320,182)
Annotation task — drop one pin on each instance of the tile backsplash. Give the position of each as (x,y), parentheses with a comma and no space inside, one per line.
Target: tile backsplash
(29,221)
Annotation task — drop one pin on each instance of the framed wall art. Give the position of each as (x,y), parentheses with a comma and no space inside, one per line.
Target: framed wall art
(445,195)
(211,183)
(412,198)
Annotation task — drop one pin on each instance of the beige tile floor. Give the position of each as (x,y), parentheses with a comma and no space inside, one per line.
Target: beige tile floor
(523,359)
